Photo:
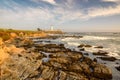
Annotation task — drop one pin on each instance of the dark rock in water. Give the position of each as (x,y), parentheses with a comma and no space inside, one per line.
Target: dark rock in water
(84,45)
(108,58)
(82,49)
(88,45)
(102,72)
(98,47)
(95,60)
(100,52)
(118,68)
(62,45)
(117,63)
(86,54)
(81,45)
(87,60)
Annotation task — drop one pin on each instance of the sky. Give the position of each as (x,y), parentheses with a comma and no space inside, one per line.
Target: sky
(67,15)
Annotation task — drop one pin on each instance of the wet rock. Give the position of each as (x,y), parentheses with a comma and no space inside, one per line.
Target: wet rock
(108,58)
(118,68)
(95,60)
(98,47)
(117,63)
(88,45)
(82,49)
(87,60)
(86,54)
(81,45)
(100,52)
(102,72)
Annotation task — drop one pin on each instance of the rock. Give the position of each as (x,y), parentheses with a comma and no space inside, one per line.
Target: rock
(86,54)
(13,35)
(87,60)
(1,41)
(95,60)
(102,72)
(11,49)
(27,43)
(3,56)
(118,68)
(61,60)
(20,67)
(100,52)
(82,49)
(62,75)
(76,76)
(108,58)
(81,45)
(88,45)
(80,68)
(98,47)
(48,73)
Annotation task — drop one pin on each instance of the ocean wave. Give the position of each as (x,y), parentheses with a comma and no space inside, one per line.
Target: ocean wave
(95,38)
(70,39)
(73,44)
(88,38)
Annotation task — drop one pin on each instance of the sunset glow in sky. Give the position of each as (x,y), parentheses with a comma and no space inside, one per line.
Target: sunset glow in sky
(68,15)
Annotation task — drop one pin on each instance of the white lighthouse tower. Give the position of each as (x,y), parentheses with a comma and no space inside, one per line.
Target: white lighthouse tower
(51,28)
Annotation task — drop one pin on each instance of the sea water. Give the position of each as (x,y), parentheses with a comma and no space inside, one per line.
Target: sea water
(109,40)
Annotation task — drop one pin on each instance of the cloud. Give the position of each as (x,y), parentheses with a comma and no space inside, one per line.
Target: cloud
(111,0)
(109,11)
(59,14)
(48,1)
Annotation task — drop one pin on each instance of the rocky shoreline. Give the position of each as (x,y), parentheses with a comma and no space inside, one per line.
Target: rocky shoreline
(24,60)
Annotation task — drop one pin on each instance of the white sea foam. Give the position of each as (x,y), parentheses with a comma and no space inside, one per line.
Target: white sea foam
(70,39)
(95,38)
(73,44)
(87,38)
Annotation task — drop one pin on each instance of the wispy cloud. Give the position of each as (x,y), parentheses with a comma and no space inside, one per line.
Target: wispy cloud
(48,1)
(109,11)
(111,0)
(63,11)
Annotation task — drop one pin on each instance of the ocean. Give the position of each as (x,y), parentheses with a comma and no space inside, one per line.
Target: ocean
(109,40)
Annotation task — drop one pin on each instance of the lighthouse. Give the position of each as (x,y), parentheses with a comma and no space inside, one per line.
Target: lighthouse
(51,28)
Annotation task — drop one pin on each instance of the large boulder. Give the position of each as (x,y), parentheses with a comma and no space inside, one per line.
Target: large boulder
(102,72)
